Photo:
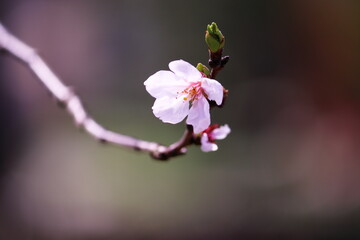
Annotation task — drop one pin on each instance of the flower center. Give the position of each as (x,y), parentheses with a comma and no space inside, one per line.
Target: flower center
(191,93)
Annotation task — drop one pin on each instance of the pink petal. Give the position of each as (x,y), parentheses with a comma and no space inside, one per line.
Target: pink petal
(170,109)
(199,115)
(221,132)
(207,146)
(213,89)
(164,83)
(185,70)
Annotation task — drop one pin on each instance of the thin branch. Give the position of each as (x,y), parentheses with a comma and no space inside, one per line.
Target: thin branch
(67,98)
(217,62)
(178,147)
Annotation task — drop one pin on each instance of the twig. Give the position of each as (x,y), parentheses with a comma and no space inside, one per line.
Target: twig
(217,62)
(67,98)
(178,147)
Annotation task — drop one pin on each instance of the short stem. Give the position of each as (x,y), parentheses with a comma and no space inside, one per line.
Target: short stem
(217,62)
(177,148)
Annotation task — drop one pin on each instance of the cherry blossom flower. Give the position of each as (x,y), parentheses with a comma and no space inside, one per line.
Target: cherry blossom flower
(181,92)
(212,133)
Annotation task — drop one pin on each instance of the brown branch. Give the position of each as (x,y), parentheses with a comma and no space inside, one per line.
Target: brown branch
(217,62)
(67,98)
(177,148)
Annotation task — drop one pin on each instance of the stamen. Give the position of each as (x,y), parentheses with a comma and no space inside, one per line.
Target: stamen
(193,92)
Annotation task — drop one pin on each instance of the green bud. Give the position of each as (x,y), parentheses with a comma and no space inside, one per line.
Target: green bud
(214,38)
(203,69)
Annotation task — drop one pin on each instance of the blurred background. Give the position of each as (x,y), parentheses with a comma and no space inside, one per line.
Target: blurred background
(290,169)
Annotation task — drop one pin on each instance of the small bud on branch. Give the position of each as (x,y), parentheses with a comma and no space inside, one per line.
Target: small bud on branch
(203,69)
(214,38)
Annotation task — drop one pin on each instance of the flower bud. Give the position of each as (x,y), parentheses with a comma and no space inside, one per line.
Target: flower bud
(214,38)
(203,69)
(211,134)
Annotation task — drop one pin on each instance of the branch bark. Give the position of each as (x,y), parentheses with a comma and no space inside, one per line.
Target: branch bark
(72,103)
(216,63)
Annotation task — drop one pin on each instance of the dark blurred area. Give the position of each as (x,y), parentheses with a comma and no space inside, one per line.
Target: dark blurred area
(290,169)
